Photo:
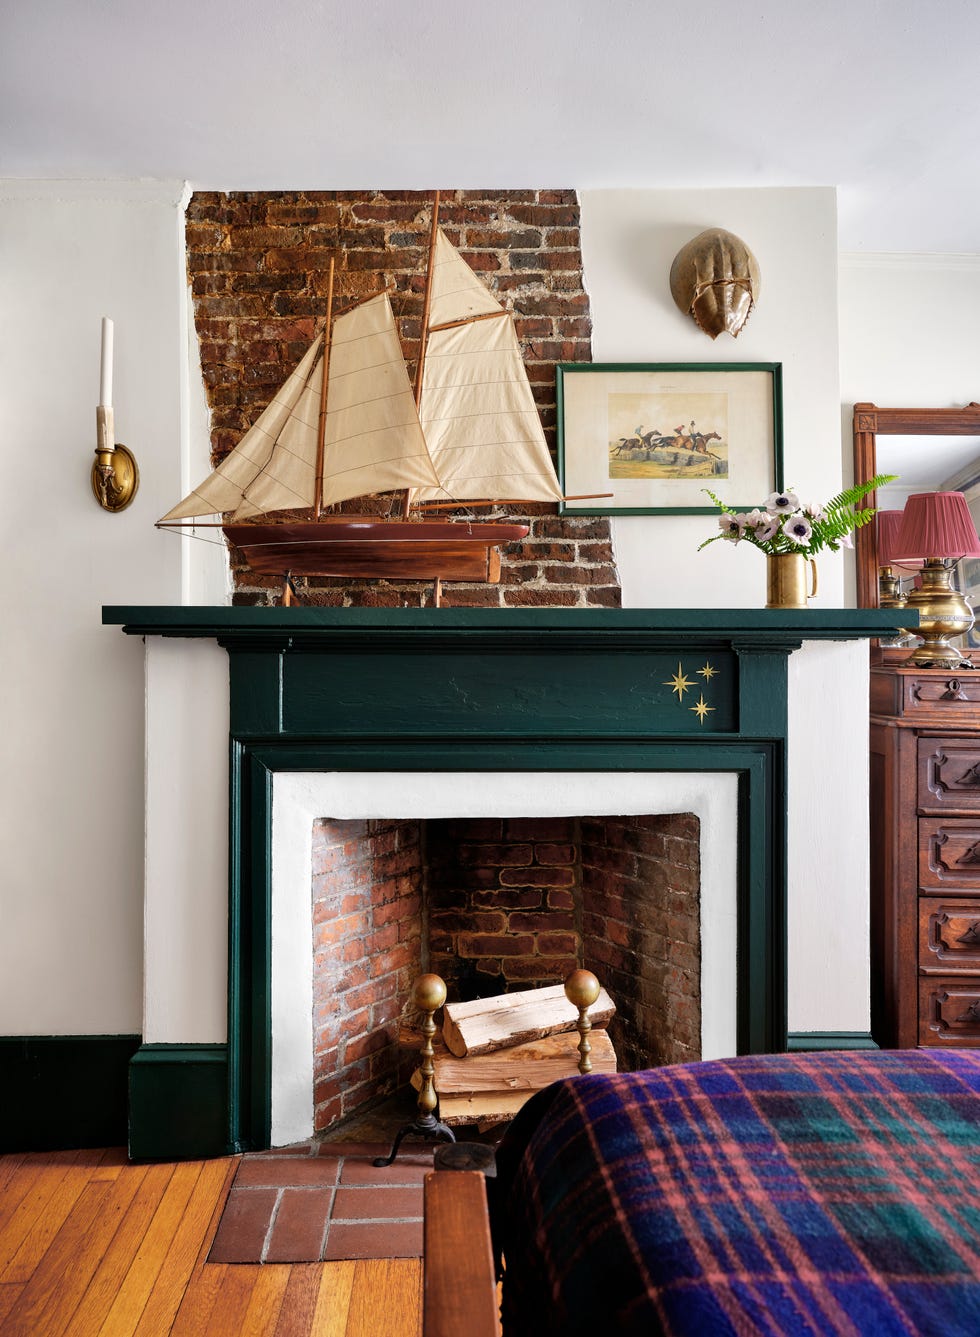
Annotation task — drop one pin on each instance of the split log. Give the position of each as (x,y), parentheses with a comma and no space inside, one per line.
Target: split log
(486,1024)
(526,1067)
(485,1110)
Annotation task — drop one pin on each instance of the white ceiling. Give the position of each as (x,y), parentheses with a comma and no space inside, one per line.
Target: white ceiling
(876,97)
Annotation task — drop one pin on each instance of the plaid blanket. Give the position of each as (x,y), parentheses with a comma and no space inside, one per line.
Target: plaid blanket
(781,1194)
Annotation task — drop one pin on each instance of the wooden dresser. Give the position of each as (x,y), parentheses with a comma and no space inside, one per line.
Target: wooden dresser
(925,855)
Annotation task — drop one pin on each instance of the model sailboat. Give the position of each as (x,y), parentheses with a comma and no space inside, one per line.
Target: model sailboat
(347,423)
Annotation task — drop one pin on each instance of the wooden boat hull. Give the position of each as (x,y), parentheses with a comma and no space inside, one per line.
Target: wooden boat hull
(371,549)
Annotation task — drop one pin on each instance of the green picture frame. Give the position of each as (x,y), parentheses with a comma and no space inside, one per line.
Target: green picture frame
(617,434)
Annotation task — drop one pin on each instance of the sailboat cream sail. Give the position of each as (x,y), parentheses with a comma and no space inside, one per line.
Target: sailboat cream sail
(346,423)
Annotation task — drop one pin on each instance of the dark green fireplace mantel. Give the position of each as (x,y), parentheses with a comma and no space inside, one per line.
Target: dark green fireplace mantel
(545,690)
(789,627)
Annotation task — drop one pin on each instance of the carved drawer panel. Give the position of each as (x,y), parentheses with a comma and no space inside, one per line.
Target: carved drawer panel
(949,1012)
(949,774)
(949,936)
(949,855)
(941,693)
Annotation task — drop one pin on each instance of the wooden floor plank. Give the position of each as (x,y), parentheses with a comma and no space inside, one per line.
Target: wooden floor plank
(22,1179)
(34,1179)
(231,1165)
(128,1306)
(41,1215)
(386,1300)
(63,1275)
(262,1314)
(234,1297)
(299,1302)
(9,1295)
(58,1282)
(333,1300)
(114,1161)
(199,1301)
(198,1221)
(9,1162)
(103,1287)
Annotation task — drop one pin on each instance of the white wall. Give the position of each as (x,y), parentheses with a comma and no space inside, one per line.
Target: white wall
(909,331)
(629,239)
(71,787)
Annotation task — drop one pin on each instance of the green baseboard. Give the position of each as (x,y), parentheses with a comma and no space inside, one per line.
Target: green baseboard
(58,1092)
(178,1102)
(801,1041)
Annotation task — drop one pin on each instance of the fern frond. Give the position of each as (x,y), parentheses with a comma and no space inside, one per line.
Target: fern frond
(852,495)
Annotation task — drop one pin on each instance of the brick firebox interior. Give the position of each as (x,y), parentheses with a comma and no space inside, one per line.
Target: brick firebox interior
(258,264)
(493,905)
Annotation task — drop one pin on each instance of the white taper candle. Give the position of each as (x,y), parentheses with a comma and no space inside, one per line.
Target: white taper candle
(105,378)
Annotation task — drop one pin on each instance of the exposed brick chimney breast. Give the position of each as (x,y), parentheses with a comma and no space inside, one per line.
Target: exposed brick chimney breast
(258,264)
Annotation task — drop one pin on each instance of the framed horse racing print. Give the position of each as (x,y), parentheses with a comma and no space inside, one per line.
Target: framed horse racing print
(655,435)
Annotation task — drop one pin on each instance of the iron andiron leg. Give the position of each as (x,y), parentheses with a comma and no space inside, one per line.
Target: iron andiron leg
(429,994)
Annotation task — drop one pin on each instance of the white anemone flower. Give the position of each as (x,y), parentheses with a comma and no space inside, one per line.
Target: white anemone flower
(752,519)
(783,503)
(768,529)
(798,530)
(730,526)
(814,513)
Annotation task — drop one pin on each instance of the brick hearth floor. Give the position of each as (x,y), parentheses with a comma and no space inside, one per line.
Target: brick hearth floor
(324,1201)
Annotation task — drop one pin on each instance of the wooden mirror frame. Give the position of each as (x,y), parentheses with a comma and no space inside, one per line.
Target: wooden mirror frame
(870,422)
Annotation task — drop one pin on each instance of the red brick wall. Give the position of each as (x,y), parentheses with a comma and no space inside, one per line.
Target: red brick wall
(641,926)
(503,897)
(367,952)
(493,905)
(258,265)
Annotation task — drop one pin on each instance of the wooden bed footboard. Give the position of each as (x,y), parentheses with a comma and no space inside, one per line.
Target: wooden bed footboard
(460,1292)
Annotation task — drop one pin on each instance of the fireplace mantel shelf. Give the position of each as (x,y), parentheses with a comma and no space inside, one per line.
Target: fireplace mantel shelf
(761,626)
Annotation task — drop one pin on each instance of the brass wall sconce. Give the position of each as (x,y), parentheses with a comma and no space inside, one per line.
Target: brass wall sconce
(115,475)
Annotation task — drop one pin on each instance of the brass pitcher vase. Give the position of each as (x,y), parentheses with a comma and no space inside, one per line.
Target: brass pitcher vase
(786,579)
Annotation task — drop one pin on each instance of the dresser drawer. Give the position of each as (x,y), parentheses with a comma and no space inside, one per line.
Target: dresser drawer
(949,855)
(949,936)
(949,1011)
(948,774)
(937,696)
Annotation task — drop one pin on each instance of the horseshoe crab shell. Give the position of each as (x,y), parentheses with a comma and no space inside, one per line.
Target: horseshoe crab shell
(715,280)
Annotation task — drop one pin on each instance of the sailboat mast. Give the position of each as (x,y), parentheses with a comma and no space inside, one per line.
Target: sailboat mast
(321,430)
(424,338)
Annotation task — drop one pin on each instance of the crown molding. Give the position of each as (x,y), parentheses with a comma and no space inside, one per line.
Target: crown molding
(921,260)
(171,191)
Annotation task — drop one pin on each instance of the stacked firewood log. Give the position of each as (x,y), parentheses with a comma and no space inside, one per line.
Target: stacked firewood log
(494,1053)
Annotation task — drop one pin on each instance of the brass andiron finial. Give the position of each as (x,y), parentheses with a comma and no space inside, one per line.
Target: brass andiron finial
(429,994)
(581,990)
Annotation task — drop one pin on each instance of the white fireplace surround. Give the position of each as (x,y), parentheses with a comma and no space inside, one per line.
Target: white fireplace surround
(300,798)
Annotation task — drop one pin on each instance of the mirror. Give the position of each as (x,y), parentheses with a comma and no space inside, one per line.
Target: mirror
(898,441)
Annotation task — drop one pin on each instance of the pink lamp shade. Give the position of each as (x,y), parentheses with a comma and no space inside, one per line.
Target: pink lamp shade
(889,523)
(936,524)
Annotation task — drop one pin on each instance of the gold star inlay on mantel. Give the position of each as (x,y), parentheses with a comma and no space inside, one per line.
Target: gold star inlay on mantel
(701,709)
(679,683)
(708,672)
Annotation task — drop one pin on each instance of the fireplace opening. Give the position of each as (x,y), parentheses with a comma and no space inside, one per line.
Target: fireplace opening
(496,904)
